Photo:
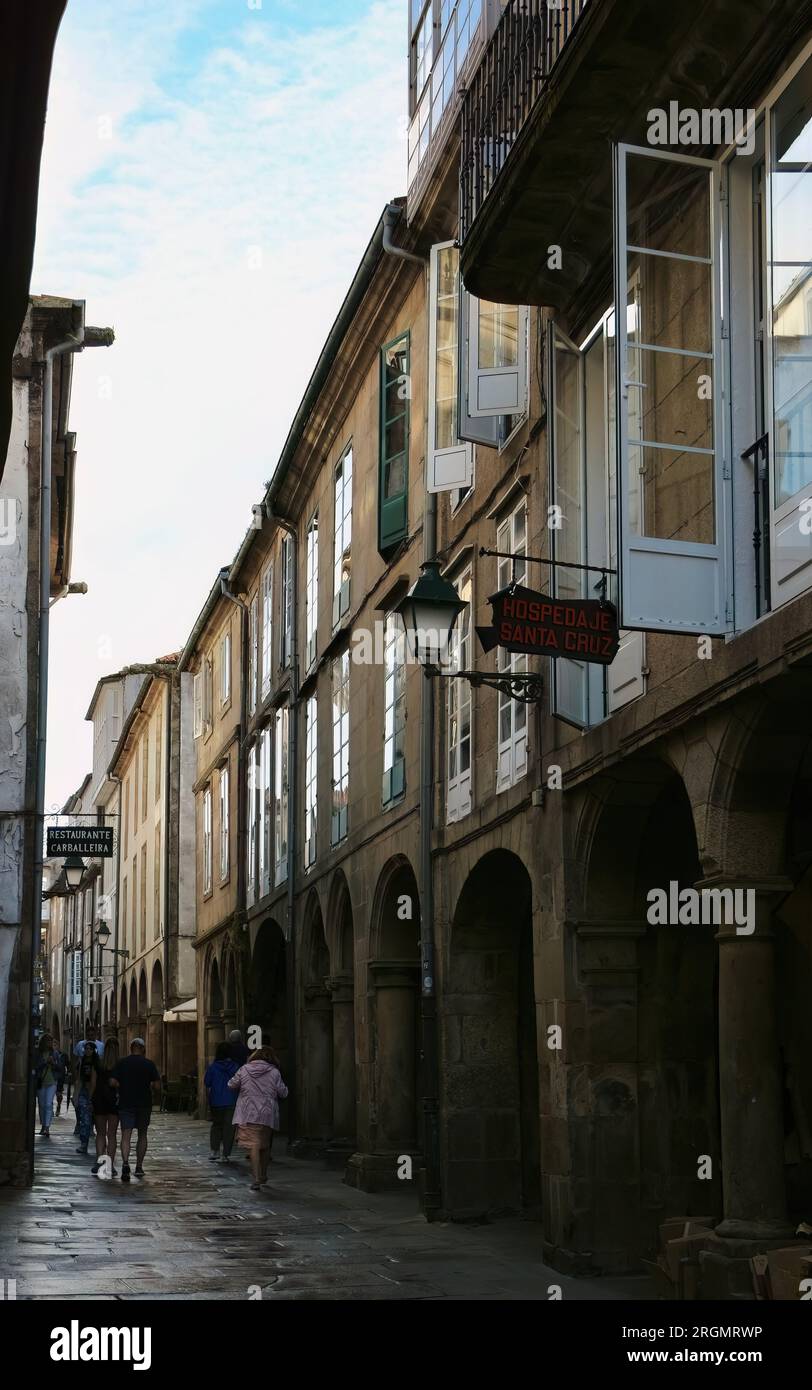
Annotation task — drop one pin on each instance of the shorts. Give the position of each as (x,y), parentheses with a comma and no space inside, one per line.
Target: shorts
(135,1119)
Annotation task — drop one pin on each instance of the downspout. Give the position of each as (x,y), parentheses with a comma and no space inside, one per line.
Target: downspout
(117,780)
(293,854)
(432,1186)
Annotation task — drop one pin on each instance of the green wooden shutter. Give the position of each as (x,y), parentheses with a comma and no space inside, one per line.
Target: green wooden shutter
(393,482)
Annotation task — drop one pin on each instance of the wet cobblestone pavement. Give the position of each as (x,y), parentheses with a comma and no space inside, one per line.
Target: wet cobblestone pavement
(193,1229)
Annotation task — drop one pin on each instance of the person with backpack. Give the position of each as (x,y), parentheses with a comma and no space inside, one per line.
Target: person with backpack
(260,1087)
(222,1102)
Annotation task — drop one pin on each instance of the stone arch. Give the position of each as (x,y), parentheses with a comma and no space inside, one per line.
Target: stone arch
(268,993)
(316,1072)
(491,1115)
(230,988)
(215,1030)
(648,1027)
(143,996)
(132,1016)
(341,935)
(155,1020)
(394,971)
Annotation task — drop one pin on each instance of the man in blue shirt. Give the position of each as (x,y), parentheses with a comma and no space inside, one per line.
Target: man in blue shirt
(222,1101)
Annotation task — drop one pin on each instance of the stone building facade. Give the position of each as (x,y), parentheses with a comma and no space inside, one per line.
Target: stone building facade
(449,937)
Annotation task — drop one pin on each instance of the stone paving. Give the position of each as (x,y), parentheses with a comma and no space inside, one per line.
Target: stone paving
(193,1229)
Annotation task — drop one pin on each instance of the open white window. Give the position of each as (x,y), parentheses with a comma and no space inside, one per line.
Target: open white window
(458,802)
(789,324)
(673,544)
(449,460)
(493,371)
(582,524)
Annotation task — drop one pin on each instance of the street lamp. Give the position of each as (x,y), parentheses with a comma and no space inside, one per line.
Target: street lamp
(74,867)
(429,612)
(103,936)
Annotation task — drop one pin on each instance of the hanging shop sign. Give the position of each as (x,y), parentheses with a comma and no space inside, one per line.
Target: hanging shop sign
(534,624)
(90,841)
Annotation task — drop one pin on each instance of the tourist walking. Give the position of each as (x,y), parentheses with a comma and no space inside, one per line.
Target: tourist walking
(238,1049)
(49,1072)
(64,1074)
(135,1078)
(86,1078)
(222,1102)
(105,1118)
(256,1116)
(91,1036)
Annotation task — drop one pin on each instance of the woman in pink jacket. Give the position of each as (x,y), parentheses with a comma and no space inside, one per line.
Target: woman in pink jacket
(256,1116)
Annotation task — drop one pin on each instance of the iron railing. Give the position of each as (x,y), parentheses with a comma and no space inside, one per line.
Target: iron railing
(503,91)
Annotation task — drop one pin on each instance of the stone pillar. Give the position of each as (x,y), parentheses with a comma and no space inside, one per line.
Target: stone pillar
(317,1068)
(154,1039)
(342,990)
(396,1054)
(750,1080)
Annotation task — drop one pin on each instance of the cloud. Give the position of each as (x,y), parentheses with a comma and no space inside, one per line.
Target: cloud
(211,178)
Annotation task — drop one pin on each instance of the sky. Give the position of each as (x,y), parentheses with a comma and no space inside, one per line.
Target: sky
(212,173)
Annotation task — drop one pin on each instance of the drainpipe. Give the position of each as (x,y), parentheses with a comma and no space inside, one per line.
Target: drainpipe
(74,342)
(117,780)
(432,1189)
(392,214)
(293,855)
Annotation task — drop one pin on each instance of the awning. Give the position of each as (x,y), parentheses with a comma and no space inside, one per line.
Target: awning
(182,1013)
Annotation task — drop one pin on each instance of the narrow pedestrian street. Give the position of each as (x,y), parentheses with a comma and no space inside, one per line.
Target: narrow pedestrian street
(194,1229)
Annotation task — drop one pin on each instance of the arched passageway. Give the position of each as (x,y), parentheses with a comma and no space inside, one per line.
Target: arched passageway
(394,973)
(316,1068)
(646,1064)
(491,1114)
(267,994)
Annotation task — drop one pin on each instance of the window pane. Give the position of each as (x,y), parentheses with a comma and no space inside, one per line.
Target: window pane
(498,335)
(791,200)
(668,206)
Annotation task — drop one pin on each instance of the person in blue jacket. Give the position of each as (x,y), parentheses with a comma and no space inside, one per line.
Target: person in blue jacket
(222,1102)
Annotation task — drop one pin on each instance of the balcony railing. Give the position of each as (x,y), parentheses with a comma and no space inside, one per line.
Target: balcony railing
(502,93)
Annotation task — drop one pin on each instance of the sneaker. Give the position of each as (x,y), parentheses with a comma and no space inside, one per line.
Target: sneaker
(125,1172)
(42,1129)
(139,1172)
(214,1156)
(82,1149)
(96,1166)
(114,1172)
(46,1134)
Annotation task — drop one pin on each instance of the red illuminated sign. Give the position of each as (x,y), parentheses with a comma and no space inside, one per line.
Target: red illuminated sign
(524,621)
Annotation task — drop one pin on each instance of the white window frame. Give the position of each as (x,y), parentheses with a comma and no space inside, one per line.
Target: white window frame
(197,705)
(225,822)
(340,780)
(281,769)
(208,695)
(311,590)
(512,749)
(286,613)
(394,710)
(264,823)
(449,468)
(585,693)
(311,782)
(251,837)
(459,697)
(207,841)
(501,390)
(342,534)
(225,669)
(267,628)
(672,585)
(253,652)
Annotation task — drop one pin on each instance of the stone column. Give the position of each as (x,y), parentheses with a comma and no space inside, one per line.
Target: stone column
(396,1054)
(317,1070)
(342,990)
(750,1081)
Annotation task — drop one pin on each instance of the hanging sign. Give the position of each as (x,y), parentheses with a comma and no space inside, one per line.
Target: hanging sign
(537,625)
(91,841)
